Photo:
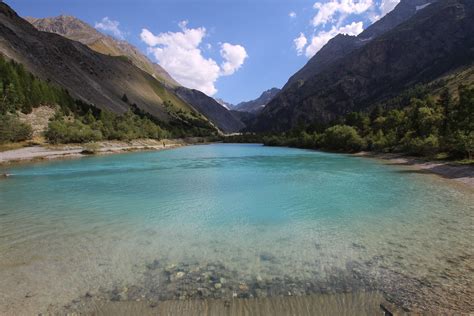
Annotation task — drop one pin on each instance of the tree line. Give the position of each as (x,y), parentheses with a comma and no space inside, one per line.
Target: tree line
(415,122)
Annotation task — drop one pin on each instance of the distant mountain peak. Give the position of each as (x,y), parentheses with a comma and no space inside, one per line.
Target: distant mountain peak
(227,105)
(258,104)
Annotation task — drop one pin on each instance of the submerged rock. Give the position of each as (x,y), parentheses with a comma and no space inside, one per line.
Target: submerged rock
(163,282)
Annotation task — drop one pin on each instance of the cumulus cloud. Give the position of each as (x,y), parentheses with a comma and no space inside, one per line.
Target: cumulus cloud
(382,9)
(180,54)
(110,26)
(332,18)
(321,38)
(292,14)
(234,56)
(300,43)
(387,5)
(328,11)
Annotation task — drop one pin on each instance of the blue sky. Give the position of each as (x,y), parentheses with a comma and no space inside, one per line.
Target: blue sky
(229,49)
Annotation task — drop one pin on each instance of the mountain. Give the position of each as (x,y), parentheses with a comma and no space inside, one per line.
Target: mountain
(434,41)
(214,111)
(77,30)
(342,45)
(96,79)
(258,104)
(225,104)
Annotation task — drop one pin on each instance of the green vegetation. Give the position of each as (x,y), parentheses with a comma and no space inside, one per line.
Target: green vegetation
(78,122)
(106,126)
(12,130)
(21,91)
(415,123)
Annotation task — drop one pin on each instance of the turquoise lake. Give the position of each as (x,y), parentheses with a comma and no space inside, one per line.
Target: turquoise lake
(266,214)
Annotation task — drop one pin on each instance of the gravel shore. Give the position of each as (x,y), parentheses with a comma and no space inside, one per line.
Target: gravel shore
(41,152)
(459,173)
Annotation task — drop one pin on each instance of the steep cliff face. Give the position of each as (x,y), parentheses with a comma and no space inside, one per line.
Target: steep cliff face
(94,78)
(434,41)
(216,113)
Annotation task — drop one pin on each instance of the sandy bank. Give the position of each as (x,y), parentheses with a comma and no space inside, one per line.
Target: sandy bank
(459,173)
(47,152)
(361,303)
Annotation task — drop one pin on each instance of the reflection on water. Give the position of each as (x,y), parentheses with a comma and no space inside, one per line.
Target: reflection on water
(268,221)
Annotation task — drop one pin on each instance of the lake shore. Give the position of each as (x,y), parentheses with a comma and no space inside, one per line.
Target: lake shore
(147,233)
(359,303)
(45,152)
(456,172)
(463,174)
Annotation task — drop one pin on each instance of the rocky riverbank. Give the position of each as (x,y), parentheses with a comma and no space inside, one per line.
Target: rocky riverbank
(163,283)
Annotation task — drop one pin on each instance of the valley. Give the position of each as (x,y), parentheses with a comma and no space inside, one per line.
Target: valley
(312,157)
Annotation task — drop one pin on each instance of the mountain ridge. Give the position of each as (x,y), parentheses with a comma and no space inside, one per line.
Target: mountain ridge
(78,30)
(341,45)
(423,48)
(228,123)
(93,78)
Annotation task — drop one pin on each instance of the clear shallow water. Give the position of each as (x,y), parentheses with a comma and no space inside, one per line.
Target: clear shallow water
(93,224)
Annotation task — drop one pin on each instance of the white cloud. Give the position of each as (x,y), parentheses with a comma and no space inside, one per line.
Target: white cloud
(328,11)
(387,5)
(180,54)
(234,56)
(300,43)
(292,14)
(332,18)
(321,38)
(110,26)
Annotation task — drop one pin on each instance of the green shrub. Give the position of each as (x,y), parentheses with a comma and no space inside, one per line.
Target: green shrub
(274,141)
(422,146)
(12,130)
(91,149)
(342,137)
(60,131)
(463,144)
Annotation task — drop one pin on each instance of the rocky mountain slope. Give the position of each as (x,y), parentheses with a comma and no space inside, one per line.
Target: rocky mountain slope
(80,31)
(258,104)
(228,123)
(225,104)
(77,30)
(342,45)
(91,77)
(433,42)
